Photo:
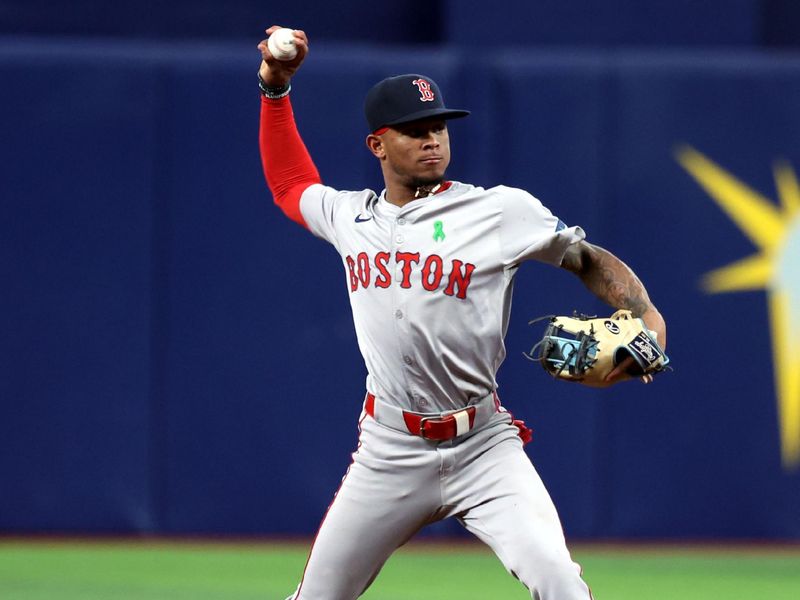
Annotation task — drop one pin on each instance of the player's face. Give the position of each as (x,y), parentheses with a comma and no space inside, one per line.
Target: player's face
(418,153)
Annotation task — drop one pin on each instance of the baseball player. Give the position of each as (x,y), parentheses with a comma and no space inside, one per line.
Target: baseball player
(429,265)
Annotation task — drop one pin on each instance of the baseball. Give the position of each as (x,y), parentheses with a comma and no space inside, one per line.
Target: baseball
(281,44)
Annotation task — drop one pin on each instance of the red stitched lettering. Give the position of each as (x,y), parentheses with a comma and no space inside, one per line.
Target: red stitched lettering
(457,278)
(363,269)
(351,267)
(384,279)
(428,270)
(406,258)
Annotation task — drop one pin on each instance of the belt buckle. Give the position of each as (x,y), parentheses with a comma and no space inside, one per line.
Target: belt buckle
(440,419)
(422,422)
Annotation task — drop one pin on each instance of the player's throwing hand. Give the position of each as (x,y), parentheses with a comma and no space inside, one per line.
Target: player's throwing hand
(276,73)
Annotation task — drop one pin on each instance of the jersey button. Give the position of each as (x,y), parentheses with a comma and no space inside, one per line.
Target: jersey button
(401,221)
(398,314)
(407,359)
(399,239)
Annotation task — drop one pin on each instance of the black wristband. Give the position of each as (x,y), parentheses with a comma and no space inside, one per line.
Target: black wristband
(273,93)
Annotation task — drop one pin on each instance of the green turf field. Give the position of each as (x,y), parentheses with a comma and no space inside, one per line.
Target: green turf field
(63,570)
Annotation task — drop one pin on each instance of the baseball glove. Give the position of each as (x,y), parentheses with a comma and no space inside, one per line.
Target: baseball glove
(586,349)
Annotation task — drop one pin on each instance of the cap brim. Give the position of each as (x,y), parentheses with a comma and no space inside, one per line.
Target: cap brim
(444,113)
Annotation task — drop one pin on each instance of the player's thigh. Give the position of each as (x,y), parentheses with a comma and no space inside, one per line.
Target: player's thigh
(512,512)
(504,498)
(381,503)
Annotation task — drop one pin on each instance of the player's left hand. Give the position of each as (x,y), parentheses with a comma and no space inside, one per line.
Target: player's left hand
(620,373)
(586,349)
(655,323)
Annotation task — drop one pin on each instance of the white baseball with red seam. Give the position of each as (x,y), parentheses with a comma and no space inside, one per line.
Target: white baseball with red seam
(281,44)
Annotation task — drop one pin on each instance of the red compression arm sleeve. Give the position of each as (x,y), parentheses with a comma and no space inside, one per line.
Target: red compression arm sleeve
(287,165)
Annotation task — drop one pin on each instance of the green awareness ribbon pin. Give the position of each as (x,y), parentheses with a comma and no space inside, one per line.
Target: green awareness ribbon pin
(438,231)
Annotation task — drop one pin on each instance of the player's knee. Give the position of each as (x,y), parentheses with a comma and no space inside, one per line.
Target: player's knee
(552,577)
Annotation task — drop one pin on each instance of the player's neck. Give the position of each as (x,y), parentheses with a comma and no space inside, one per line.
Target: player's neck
(400,194)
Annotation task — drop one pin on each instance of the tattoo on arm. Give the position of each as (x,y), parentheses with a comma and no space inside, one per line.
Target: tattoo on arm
(622,289)
(607,277)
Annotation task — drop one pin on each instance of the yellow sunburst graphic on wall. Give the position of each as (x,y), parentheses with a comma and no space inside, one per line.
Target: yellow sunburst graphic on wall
(775,230)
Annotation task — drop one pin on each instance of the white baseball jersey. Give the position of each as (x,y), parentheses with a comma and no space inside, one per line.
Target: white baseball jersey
(431,283)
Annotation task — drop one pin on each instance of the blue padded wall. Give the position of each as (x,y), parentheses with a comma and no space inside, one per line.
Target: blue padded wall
(177,357)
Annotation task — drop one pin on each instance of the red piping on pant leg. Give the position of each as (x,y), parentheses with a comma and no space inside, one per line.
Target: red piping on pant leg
(325,516)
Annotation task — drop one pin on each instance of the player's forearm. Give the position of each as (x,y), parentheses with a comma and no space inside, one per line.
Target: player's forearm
(613,282)
(288,167)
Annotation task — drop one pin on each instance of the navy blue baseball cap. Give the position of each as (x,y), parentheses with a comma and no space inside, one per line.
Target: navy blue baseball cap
(406,98)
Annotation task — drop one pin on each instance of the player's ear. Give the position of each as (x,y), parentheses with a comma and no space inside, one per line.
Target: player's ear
(376,146)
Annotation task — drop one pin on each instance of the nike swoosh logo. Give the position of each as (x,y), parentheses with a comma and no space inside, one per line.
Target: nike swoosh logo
(360,220)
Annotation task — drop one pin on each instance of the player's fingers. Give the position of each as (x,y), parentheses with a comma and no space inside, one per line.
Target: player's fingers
(272,29)
(620,372)
(301,43)
(301,35)
(613,376)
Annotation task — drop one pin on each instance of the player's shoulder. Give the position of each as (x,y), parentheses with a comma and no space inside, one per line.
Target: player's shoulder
(513,198)
(507,191)
(325,208)
(499,195)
